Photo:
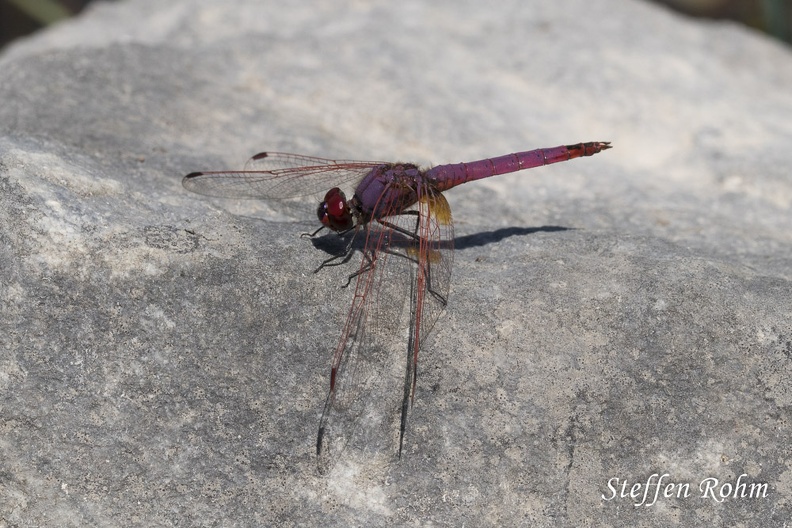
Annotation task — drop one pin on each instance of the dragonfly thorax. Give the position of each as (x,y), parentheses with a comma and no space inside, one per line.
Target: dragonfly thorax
(388,189)
(334,212)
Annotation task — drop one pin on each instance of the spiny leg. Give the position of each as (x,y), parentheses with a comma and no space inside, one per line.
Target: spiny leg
(342,258)
(311,235)
(369,258)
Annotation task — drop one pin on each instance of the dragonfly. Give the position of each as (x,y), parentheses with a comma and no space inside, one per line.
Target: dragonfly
(400,221)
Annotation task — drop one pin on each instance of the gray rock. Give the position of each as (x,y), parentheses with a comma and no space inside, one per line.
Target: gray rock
(165,356)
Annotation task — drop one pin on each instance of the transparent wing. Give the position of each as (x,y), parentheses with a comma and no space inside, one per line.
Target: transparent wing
(407,255)
(364,380)
(433,252)
(436,258)
(278,175)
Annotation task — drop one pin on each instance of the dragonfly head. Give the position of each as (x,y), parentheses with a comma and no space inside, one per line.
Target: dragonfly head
(334,211)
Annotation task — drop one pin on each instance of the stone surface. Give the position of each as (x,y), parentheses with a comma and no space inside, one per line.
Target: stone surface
(165,356)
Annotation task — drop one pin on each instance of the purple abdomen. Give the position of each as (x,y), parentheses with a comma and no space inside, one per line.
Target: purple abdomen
(446,176)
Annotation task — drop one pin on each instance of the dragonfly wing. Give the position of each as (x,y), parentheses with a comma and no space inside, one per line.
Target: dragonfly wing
(407,255)
(364,389)
(277,175)
(436,257)
(432,251)
(269,161)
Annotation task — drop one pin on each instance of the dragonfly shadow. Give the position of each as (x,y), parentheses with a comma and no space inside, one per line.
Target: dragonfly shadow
(489,237)
(341,248)
(337,245)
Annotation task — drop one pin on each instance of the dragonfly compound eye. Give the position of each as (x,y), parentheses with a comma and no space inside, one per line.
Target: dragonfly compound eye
(334,212)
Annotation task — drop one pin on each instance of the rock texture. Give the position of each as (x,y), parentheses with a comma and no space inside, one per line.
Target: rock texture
(165,356)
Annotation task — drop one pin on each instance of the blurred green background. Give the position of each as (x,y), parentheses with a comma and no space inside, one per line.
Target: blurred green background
(21,17)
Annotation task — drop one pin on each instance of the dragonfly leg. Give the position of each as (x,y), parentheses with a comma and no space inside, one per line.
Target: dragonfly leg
(363,269)
(342,259)
(337,260)
(412,234)
(311,235)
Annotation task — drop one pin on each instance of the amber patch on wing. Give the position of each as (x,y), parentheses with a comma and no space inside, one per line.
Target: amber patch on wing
(438,207)
(434,255)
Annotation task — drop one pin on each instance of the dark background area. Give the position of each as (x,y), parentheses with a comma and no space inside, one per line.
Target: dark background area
(21,17)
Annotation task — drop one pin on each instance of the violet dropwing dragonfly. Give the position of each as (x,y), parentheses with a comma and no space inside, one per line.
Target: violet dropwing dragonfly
(399,214)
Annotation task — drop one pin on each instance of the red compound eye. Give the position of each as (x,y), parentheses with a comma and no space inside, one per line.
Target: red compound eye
(334,211)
